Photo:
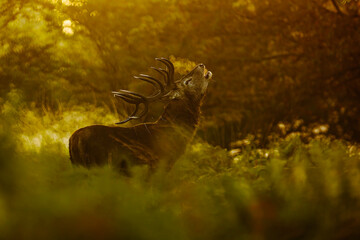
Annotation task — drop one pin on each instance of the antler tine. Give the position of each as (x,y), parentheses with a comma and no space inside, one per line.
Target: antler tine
(151,80)
(132,95)
(146,109)
(170,68)
(170,63)
(127,98)
(133,98)
(163,73)
(137,99)
(132,116)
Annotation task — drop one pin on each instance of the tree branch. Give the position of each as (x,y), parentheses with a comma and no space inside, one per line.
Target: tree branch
(337,7)
(262,59)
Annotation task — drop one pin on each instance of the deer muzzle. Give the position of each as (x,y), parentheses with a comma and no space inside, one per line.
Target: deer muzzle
(208,75)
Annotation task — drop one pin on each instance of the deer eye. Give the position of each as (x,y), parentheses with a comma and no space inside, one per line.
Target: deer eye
(186,82)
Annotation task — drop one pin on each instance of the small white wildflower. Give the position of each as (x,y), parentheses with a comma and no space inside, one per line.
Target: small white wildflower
(316,131)
(234,152)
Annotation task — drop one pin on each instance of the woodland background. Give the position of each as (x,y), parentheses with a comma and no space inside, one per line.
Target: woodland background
(277,147)
(273,61)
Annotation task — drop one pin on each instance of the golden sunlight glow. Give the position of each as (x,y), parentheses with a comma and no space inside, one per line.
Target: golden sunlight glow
(67,29)
(36,137)
(32,142)
(77,3)
(66,2)
(182,66)
(37,141)
(67,23)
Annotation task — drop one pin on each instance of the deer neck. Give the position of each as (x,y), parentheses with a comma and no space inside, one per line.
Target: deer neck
(182,113)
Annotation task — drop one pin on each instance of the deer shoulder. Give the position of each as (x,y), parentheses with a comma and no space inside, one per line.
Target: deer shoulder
(146,143)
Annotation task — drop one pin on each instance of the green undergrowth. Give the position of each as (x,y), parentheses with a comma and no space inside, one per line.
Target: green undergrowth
(291,190)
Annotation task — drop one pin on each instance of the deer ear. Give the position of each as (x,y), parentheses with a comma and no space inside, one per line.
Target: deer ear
(172,96)
(175,95)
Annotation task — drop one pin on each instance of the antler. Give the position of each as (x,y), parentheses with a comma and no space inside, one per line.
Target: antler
(161,89)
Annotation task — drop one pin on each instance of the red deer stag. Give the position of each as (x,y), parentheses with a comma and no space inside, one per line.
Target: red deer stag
(147,143)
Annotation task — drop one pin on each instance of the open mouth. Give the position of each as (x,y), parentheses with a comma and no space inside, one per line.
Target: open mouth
(208,75)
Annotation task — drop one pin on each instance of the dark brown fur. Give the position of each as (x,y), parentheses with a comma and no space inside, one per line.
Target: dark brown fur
(148,143)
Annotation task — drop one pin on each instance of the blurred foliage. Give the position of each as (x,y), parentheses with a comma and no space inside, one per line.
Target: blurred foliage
(283,110)
(290,190)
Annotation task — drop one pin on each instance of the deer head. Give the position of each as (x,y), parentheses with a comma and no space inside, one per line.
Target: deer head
(190,89)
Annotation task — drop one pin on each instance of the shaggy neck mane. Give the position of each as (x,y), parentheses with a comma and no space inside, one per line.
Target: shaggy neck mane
(182,113)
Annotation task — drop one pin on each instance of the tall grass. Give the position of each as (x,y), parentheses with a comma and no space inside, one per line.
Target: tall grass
(290,190)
